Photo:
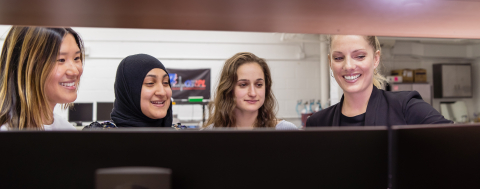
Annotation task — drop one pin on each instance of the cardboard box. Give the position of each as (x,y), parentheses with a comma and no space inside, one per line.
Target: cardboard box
(407,75)
(394,79)
(420,76)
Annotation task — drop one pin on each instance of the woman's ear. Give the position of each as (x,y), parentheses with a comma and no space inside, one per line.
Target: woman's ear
(329,61)
(376,59)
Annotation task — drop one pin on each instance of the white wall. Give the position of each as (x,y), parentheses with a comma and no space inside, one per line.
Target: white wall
(293,60)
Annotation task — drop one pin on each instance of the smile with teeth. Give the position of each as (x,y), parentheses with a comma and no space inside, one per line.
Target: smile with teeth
(351,77)
(70,84)
(157,102)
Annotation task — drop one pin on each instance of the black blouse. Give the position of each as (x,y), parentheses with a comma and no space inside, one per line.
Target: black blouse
(358,120)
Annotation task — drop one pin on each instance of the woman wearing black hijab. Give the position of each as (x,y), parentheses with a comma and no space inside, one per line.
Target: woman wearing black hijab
(142,93)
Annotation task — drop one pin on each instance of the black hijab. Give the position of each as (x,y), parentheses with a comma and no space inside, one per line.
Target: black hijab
(128,87)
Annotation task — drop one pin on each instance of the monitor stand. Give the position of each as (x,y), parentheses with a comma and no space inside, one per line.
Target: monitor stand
(79,123)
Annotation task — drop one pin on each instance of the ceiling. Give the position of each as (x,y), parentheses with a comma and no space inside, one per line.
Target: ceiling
(403,18)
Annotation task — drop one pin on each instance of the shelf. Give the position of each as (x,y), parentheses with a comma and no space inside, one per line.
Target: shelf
(189,103)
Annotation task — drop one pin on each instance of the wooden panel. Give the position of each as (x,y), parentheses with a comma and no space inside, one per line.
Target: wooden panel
(408,18)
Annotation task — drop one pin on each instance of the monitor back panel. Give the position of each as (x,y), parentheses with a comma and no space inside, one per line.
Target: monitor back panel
(104,109)
(442,157)
(205,159)
(81,112)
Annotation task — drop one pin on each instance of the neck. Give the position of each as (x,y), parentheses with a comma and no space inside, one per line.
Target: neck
(45,121)
(356,103)
(245,120)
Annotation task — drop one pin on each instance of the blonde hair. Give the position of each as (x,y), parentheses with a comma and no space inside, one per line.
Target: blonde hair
(378,79)
(221,111)
(28,57)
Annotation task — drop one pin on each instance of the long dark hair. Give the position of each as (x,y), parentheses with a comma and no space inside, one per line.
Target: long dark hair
(222,109)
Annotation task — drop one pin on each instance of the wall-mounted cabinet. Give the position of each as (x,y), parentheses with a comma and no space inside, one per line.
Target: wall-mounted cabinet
(452,80)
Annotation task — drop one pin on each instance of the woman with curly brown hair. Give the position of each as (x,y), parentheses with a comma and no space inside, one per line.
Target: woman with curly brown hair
(244,97)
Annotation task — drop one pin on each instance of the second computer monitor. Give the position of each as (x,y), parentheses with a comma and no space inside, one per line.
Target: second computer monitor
(81,112)
(104,109)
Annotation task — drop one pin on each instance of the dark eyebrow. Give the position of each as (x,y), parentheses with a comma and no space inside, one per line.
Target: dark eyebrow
(259,79)
(166,75)
(151,76)
(64,53)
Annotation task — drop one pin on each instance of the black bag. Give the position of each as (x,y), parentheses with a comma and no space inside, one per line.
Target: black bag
(100,126)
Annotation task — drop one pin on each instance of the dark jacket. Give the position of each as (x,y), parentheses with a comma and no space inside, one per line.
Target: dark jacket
(385,108)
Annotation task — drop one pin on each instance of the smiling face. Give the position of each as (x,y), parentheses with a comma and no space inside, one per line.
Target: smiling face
(250,88)
(353,62)
(61,85)
(156,94)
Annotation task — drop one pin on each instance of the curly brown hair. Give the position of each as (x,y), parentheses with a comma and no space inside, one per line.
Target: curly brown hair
(221,109)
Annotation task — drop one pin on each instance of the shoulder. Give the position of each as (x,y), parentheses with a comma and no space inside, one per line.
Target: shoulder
(323,117)
(401,98)
(4,128)
(285,125)
(413,108)
(209,127)
(401,94)
(61,124)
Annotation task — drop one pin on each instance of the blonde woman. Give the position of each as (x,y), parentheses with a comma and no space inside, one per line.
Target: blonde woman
(244,97)
(40,68)
(354,61)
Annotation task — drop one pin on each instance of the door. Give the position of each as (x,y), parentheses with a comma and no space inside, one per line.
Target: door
(449,81)
(464,81)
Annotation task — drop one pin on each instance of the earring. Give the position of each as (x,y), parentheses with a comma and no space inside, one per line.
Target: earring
(375,72)
(331,74)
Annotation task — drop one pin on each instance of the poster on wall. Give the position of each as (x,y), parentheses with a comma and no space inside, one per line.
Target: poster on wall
(189,82)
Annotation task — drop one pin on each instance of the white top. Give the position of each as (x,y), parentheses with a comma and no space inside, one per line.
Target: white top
(58,124)
(282,125)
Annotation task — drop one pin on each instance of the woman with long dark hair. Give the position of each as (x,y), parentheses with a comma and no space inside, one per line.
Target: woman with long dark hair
(244,97)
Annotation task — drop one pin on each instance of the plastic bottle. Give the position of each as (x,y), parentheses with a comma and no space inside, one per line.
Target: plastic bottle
(299,103)
(319,106)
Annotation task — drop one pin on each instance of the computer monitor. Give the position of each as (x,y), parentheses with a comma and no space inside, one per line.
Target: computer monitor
(318,158)
(103,111)
(437,156)
(81,112)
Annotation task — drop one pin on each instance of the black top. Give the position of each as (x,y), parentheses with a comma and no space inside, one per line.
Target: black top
(358,120)
(385,108)
(131,73)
